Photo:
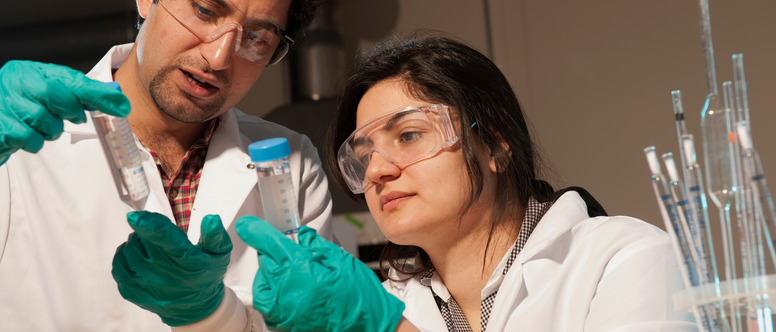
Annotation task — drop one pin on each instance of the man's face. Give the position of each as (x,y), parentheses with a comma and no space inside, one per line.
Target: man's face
(191,80)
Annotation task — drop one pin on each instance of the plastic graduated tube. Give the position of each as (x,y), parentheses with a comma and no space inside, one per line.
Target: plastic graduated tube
(270,157)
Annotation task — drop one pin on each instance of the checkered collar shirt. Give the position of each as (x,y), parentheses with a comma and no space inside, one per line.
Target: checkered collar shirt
(181,186)
(451,312)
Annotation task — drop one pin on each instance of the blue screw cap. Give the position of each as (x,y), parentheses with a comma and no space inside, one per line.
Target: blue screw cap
(269,149)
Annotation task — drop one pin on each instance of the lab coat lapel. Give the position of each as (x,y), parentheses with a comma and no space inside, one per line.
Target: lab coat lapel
(226,180)
(534,265)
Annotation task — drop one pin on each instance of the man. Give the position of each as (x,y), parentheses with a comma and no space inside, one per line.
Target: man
(61,218)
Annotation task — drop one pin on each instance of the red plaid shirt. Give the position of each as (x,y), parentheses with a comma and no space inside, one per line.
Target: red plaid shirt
(181,186)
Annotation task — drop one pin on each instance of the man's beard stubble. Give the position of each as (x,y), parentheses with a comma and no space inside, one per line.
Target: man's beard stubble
(195,113)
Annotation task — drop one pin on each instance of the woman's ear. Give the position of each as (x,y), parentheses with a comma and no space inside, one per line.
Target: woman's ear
(143,7)
(500,165)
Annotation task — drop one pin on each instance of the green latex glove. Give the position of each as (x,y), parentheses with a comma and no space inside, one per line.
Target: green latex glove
(315,285)
(37,97)
(161,271)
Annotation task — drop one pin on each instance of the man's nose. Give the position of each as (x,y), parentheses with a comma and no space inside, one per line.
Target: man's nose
(220,50)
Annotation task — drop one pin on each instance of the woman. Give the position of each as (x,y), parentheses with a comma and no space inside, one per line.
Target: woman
(432,135)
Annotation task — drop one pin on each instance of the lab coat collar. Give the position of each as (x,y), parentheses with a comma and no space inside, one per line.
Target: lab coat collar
(103,70)
(532,271)
(566,212)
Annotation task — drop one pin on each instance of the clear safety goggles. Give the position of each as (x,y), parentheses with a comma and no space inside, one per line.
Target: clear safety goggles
(259,41)
(403,137)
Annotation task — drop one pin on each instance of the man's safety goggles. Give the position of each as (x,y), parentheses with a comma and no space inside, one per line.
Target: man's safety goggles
(259,41)
(403,137)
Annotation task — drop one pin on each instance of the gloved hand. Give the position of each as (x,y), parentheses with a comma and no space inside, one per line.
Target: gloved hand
(35,98)
(315,285)
(161,271)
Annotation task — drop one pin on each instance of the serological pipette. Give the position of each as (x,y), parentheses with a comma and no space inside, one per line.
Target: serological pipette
(673,225)
(739,81)
(765,211)
(763,218)
(686,219)
(697,197)
(674,229)
(740,193)
(681,128)
(694,183)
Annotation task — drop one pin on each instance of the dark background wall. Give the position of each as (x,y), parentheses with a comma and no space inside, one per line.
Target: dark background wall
(594,77)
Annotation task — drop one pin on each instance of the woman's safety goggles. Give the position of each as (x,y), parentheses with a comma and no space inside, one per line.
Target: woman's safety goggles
(403,137)
(258,40)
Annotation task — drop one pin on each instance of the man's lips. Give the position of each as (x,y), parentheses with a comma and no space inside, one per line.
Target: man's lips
(198,86)
(202,80)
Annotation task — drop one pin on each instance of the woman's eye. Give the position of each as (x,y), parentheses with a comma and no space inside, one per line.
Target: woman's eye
(409,136)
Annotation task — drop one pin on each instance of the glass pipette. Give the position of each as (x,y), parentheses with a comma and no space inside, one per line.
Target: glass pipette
(694,238)
(685,216)
(697,197)
(740,195)
(744,212)
(739,81)
(666,201)
(693,180)
(764,216)
(681,128)
(717,149)
(765,211)
(670,219)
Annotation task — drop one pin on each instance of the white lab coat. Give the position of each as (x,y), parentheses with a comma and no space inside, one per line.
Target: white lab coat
(575,273)
(61,220)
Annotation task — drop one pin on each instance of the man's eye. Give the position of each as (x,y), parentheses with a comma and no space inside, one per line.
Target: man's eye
(256,35)
(204,13)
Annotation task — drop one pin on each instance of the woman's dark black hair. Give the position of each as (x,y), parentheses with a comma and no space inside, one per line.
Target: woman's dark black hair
(439,69)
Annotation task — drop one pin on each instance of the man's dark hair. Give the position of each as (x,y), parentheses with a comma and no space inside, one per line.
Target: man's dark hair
(300,15)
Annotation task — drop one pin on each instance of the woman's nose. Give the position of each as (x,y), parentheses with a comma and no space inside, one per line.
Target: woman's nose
(380,169)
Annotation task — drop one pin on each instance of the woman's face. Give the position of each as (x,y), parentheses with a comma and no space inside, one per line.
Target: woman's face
(420,204)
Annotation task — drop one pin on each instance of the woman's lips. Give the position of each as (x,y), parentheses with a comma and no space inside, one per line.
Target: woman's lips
(393,199)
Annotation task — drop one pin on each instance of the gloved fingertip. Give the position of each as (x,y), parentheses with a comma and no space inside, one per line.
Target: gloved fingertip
(248,227)
(155,226)
(105,97)
(134,217)
(214,237)
(34,143)
(309,238)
